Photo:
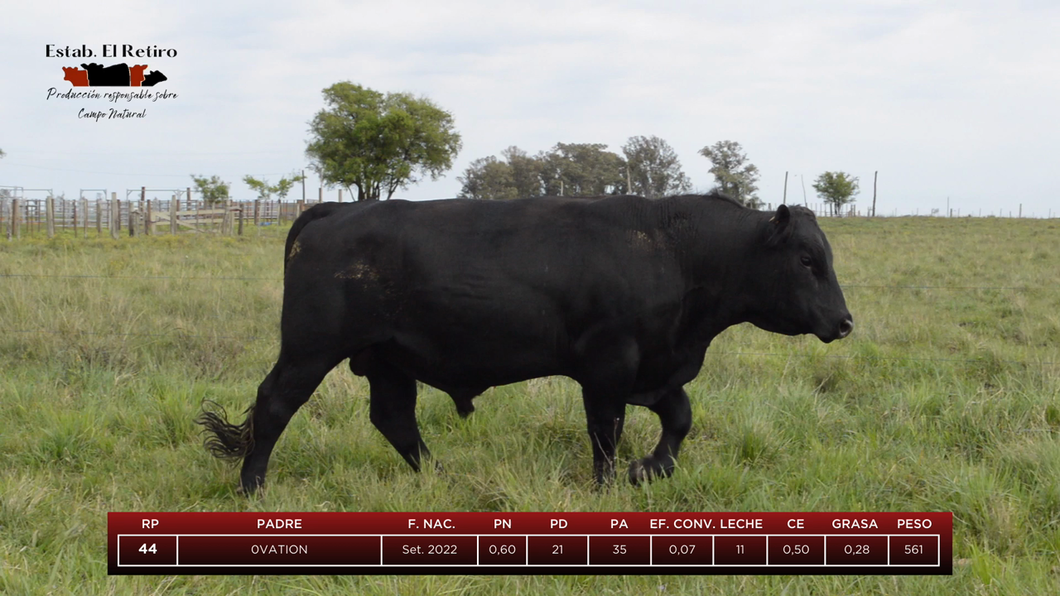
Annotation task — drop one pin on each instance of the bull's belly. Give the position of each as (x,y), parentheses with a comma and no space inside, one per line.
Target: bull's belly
(483,363)
(444,365)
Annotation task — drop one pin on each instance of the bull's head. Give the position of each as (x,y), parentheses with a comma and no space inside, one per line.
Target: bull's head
(796,288)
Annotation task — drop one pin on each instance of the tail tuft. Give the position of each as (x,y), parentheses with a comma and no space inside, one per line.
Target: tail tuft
(225,440)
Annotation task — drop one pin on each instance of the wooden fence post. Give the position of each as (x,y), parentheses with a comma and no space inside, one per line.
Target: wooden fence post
(140,211)
(875,175)
(49,214)
(149,223)
(173,214)
(241,205)
(16,225)
(115,216)
(226,226)
(257,212)
(99,218)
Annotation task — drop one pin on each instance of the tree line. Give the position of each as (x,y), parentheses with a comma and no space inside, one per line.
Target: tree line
(376,143)
(648,166)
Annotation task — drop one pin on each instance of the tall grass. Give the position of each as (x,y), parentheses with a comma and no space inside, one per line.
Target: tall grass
(945,398)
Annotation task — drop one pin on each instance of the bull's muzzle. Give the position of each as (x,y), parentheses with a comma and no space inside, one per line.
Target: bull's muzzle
(846,326)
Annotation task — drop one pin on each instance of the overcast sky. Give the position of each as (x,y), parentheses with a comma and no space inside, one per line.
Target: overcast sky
(954,100)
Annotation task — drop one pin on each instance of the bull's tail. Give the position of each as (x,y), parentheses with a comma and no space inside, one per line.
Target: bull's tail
(225,440)
(318,211)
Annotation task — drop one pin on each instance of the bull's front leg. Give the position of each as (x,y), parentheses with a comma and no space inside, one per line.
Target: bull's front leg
(675,414)
(605,416)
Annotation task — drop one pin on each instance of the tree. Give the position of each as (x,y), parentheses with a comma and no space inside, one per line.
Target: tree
(836,188)
(570,169)
(735,176)
(212,189)
(2,154)
(526,172)
(581,169)
(653,168)
(487,178)
(379,143)
(266,190)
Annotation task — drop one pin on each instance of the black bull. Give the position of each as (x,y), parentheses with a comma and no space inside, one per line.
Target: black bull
(621,294)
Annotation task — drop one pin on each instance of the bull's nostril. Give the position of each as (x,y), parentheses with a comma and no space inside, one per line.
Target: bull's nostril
(846,327)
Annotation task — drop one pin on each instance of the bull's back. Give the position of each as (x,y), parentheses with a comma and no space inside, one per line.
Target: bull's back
(516,253)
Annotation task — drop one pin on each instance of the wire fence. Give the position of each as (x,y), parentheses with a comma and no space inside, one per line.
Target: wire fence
(280,279)
(248,338)
(852,210)
(36,212)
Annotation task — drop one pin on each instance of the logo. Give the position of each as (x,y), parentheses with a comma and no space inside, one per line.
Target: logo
(117,75)
(132,85)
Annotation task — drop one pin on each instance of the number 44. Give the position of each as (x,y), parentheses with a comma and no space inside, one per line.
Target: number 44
(153,550)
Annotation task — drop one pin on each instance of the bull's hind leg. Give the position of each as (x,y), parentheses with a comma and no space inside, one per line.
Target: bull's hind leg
(393,411)
(675,414)
(284,390)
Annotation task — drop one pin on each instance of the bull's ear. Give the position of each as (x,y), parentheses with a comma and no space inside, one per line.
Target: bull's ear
(781,218)
(779,226)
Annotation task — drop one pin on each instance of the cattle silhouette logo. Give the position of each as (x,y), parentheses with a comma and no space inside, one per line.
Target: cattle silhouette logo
(116,75)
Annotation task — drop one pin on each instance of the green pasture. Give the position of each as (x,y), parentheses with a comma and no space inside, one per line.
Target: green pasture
(945,398)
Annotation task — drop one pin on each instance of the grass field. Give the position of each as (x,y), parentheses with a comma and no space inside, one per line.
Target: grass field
(945,398)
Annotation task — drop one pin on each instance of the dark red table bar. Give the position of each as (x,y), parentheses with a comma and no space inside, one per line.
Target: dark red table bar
(530,543)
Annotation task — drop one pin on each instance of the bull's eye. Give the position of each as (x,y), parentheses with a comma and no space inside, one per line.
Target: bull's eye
(806,261)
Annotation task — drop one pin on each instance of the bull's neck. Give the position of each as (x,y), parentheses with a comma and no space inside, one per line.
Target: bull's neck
(716,251)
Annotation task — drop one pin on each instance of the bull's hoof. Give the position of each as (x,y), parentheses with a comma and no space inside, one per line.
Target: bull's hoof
(648,469)
(248,486)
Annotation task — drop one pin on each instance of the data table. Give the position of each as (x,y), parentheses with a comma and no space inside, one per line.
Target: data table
(530,543)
